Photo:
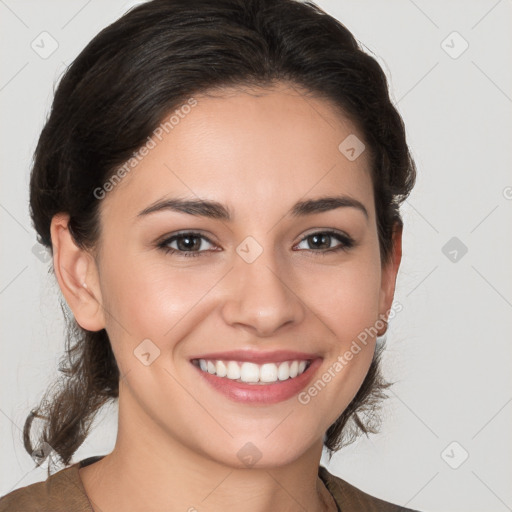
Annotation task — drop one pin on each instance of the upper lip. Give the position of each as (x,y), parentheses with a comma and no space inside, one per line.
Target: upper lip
(258,356)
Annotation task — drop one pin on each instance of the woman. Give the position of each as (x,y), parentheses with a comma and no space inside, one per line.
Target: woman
(219,184)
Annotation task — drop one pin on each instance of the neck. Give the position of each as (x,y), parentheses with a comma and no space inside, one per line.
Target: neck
(149,470)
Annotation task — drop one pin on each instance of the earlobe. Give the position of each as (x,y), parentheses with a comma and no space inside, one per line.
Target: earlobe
(389,275)
(76,273)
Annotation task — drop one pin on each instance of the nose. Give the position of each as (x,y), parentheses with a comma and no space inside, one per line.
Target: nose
(260,297)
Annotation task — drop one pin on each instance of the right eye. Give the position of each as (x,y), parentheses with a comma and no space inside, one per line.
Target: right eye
(187,244)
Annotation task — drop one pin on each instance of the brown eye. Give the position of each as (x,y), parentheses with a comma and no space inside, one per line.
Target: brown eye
(321,241)
(187,244)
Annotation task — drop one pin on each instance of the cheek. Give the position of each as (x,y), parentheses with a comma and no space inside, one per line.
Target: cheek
(148,300)
(346,298)
(347,302)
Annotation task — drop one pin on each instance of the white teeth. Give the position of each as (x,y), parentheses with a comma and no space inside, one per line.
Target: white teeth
(254,373)
(268,372)
(210,367)
(250,372)
(294,369)
(233,370)
(222,371)
(283,372)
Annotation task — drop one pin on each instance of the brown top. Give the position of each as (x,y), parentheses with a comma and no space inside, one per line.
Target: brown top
(64,492)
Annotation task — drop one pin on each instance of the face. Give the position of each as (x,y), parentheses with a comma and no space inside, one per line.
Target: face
(253,288)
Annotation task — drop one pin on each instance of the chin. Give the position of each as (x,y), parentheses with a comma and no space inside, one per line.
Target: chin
(257,452)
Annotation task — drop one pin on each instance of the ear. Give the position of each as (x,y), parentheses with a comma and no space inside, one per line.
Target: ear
(77,275)
(389,274)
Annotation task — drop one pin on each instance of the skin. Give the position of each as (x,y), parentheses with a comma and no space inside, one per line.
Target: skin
(258,152)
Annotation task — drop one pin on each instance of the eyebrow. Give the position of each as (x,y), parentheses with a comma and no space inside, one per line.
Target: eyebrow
(215,210)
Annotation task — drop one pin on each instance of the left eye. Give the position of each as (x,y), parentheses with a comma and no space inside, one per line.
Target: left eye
(325,238)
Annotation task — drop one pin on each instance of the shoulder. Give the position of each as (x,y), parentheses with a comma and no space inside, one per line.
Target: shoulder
(351,499)
(60,492)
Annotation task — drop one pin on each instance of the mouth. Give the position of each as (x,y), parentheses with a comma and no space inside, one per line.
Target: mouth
(252,373)
(257,378)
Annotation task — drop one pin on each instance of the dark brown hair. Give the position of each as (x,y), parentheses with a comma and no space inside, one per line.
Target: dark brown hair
(119,89)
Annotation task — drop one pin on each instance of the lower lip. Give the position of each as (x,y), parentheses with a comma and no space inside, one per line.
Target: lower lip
(261,393)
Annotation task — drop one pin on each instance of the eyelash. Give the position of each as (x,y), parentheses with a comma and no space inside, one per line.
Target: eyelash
(346,243)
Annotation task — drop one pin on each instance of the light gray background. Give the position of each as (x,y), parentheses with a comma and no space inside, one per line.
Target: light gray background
(449,349)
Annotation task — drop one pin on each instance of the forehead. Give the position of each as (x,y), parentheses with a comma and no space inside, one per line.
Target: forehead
(256,150)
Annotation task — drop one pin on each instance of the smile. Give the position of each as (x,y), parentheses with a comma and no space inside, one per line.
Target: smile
(252,373)
(257,378)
